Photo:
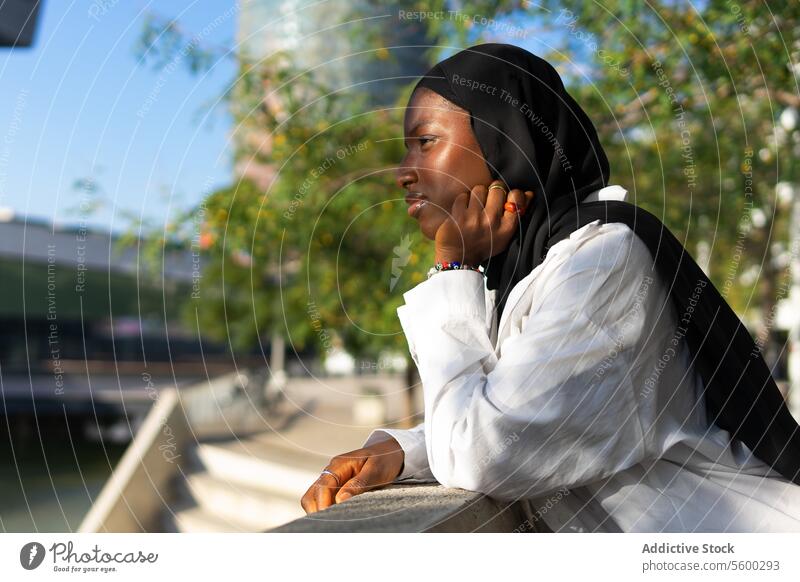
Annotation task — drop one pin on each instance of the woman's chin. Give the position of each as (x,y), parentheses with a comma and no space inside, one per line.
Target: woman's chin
(429,221)
(427,230)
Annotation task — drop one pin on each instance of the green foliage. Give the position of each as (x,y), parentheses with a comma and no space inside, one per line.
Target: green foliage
(326,248)
(686,98)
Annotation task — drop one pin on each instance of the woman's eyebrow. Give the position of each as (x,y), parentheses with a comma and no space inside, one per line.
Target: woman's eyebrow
(419,124)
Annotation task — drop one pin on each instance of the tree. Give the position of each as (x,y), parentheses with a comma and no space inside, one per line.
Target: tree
(321,249)
(686,97)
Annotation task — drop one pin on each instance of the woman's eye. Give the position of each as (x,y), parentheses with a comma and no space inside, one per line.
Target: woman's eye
(422,140)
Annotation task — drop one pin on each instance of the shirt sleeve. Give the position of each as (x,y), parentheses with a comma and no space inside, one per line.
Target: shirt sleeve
(412,441)
(542,416)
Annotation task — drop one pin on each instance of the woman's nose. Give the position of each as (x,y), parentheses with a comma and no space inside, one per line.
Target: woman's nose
(405,176)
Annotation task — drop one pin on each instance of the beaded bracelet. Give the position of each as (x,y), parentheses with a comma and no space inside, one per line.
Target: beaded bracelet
(450,266)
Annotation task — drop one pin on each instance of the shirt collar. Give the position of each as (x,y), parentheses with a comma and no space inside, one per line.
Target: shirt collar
(613,192)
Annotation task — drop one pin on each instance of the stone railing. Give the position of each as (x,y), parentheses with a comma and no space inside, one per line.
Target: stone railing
(137,491)
(420,508)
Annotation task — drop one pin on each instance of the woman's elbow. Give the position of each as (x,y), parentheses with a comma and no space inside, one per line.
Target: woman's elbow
(482,460)
(457,479)
(470,472)
(503,477)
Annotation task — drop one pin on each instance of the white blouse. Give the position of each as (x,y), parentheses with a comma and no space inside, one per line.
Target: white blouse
(581,400)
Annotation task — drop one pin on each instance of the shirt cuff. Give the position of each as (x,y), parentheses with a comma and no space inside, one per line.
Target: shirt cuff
(415,462)
(448,295)
(458,292)
(445,323)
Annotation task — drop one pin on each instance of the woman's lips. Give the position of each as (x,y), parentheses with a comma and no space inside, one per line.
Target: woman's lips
(415,203)
(416,206)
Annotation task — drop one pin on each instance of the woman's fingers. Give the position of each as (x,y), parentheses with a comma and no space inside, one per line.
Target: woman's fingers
(307,502)
(460,205)
(370,477)
(517,197)
(495,200)
(310,501)
(322,492)
(478,197)
(479,224)
(509,222)
(381,467)
(325,492)
(357,471)
(528,198)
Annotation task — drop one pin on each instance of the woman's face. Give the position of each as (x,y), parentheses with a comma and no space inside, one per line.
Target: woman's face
(443,158)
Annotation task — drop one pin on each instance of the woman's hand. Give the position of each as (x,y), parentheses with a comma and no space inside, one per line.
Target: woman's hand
(478,226)
(357,471)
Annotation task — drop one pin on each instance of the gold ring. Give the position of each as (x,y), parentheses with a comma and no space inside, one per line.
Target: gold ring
(498,186)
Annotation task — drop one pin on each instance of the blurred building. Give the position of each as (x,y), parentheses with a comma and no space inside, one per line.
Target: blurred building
(354,48)
(85,331)
(79,287)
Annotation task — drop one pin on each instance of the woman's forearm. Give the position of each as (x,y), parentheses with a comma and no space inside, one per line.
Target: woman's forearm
(536,419)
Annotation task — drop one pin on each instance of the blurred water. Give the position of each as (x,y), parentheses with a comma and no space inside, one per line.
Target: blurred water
(49,486)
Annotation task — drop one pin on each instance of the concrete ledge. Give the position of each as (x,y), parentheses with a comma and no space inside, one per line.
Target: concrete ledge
(139,487)
(132,498)
(414,508)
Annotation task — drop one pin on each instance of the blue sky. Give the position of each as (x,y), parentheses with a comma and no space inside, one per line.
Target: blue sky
(78,104)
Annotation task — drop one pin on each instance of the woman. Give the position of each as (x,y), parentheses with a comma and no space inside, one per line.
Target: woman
(588,365)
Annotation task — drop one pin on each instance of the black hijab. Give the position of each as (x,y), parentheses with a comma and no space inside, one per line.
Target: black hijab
(534,136)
